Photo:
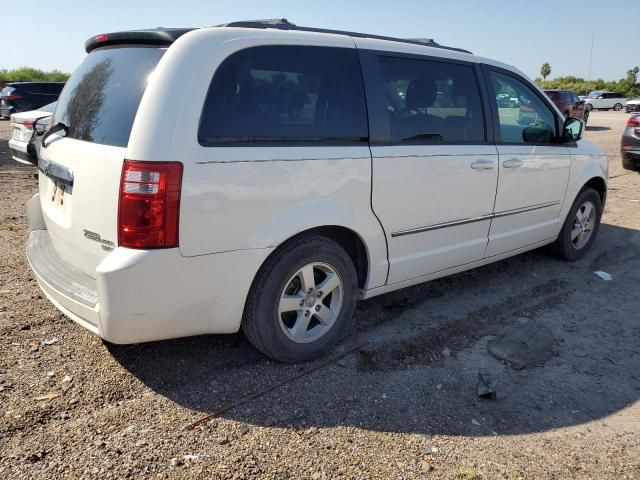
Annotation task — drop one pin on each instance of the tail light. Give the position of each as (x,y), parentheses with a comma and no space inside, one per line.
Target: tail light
(28,123)
(633,122)
(149,204)
(11,96)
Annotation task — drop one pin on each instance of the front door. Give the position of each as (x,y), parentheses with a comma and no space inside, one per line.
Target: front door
(434,173)
(533,168)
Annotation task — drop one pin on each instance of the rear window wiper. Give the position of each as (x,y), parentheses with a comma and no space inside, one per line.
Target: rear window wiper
(58,127)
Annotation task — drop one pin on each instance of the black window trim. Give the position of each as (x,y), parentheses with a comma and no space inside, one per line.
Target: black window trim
(487,69)
(242,142)
(379,127)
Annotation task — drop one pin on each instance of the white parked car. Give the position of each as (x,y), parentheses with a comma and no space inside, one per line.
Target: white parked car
(26,129)
(202,181)
(602,100)
(633,105)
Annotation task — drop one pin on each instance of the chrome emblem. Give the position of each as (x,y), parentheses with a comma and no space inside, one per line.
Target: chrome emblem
(106,245)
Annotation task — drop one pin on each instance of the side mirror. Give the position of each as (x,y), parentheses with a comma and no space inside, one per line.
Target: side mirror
(572,130)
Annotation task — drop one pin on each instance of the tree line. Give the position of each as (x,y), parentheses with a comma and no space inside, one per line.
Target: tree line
(28,74)
(629,85)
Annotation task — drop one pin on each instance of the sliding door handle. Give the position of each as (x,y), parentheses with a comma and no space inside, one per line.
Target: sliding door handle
(513,163)
(482,165)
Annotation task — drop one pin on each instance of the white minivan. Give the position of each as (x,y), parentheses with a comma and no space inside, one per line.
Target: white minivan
(264,176)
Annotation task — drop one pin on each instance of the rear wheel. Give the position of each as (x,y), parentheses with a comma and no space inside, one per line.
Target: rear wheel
(617,107)
(302,300)
(580,228)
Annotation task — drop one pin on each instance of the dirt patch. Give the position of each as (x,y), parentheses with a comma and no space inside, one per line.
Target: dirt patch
(523,345)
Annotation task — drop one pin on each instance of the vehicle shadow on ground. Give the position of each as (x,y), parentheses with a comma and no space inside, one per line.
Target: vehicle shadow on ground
(597,129)
(426,346)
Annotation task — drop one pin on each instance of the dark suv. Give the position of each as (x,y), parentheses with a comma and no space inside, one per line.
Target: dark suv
(569,104)
(24,96)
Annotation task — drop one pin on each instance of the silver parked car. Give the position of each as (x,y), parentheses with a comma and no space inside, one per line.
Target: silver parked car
(630,145)
(602,100)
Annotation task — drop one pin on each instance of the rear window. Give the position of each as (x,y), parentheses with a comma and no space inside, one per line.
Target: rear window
(101,99)
(286,94)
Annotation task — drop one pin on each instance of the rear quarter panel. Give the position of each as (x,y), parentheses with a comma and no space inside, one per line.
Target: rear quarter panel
(241,198)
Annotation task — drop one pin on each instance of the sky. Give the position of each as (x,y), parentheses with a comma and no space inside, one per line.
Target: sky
(523,33)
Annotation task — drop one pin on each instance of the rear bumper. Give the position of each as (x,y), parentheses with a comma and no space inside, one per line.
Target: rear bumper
(23,152)
(145,295)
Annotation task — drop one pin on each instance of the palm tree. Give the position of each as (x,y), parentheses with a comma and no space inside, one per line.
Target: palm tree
(545,71)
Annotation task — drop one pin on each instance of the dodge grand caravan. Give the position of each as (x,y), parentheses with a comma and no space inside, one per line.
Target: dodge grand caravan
(264,177)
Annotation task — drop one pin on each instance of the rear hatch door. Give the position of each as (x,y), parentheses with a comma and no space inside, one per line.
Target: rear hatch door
(81,169)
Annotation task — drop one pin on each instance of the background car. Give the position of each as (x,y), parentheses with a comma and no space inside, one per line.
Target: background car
(630,146)
(19,97)
(569,103)
(633,105)
(603,100)
(27,129)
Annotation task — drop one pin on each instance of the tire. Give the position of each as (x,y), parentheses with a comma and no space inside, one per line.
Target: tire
(585,116)
(568,248)
(588,107)
(617,107)
(280,285)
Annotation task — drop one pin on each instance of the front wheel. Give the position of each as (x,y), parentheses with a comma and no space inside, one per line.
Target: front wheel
(302,300)
(588,107)
(585,116)
(580,227)
(617,107)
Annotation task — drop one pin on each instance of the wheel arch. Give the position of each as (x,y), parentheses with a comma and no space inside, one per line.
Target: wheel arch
(347,238)
(599,185)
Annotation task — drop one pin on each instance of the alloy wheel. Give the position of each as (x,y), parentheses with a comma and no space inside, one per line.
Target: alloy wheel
(583,225)
(310,302)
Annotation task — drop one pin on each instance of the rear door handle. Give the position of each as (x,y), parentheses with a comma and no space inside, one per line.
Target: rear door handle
(513,163)
(482,165)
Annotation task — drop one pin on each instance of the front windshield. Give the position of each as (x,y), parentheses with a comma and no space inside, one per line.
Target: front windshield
(594,94)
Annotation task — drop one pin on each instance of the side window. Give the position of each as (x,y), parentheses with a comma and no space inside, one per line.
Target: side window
(432,102)
(34,88)
(286,93)
(574,98)
(528,119)
(53,88)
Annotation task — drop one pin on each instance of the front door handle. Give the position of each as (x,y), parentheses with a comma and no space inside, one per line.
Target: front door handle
(482,165)
(513,163)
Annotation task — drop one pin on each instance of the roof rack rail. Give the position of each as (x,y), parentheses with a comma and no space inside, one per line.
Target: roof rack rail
(284,24)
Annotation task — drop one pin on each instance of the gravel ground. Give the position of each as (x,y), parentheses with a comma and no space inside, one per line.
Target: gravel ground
(404,407)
